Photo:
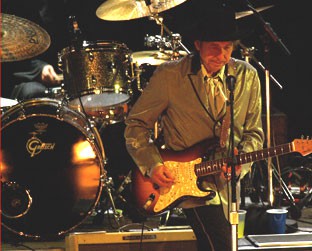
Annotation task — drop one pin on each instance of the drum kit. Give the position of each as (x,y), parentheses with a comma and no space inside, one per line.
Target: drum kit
(56,167)
(52,156)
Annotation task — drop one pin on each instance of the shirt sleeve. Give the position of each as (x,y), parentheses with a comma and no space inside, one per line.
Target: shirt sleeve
(141,121)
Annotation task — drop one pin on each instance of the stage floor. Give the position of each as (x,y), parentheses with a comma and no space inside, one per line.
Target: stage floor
(12,242)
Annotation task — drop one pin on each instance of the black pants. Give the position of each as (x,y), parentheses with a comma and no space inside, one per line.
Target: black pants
(212,230)
(29,90)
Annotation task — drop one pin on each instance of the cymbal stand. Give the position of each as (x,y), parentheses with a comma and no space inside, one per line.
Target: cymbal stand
(269,33)
(248,54)
(175,38)
(175,42)
(108,187)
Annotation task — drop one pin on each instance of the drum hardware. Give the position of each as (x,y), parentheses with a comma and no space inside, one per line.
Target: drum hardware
(143,61)
(105,206)
(174,41)
(57,92)
(109,188)
(298,181)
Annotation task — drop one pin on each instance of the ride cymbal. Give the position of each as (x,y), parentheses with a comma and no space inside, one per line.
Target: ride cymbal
(21,38)
(155,57)
(118,10)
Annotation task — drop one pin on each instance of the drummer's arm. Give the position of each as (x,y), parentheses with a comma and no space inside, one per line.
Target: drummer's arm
(37,70)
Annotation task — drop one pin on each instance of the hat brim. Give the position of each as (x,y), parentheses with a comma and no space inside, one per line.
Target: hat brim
(216,25)
(192,33)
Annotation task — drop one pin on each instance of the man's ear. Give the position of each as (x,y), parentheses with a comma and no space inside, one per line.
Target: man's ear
(197,44)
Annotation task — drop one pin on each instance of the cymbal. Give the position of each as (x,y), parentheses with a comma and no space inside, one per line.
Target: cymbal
(250,12)
(21,38)
(118,10)
(155,57)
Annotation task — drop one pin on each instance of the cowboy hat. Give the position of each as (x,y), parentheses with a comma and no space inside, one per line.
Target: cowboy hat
(217,25)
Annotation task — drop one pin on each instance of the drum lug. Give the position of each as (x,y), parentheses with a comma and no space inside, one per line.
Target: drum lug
(91,56)
(60,111)
(21,113)
(94,81)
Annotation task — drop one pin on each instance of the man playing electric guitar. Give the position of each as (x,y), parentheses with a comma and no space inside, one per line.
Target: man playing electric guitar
(191,97)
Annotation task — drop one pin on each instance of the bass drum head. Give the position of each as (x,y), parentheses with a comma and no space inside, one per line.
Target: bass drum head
(52,169)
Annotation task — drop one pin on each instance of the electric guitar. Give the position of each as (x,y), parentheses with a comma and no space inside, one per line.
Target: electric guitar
(188,166)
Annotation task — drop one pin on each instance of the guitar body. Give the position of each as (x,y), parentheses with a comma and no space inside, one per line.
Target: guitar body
(151,200)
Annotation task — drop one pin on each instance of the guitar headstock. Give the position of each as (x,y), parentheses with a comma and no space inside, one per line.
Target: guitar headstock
(302,146)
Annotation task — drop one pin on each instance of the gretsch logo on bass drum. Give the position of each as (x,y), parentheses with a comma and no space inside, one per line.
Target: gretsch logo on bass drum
(34,145)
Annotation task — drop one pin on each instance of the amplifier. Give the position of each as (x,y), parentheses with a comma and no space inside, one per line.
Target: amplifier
(156,240)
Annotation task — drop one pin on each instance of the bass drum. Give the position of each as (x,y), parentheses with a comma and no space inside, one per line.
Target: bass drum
(52,169)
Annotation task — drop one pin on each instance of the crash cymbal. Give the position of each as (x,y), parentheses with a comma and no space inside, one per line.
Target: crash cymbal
(155,57)
(250,12)
(21,39)
(118,10)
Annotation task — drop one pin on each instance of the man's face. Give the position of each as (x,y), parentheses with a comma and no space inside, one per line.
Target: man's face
(214,54)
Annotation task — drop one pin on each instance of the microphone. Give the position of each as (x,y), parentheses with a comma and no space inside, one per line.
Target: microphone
(230,78)
(230,81)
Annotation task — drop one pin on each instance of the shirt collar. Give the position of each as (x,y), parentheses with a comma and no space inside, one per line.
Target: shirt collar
(219,75)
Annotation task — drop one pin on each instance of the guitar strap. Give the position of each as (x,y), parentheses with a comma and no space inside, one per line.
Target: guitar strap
(230,69)
(226,122)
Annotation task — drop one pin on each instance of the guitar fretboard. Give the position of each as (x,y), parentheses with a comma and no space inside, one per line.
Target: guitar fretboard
(215,166)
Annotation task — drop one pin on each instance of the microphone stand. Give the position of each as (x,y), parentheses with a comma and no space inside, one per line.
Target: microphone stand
(231,80)
(270,33)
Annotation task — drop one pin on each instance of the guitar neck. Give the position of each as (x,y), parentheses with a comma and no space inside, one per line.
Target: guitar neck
(215,166)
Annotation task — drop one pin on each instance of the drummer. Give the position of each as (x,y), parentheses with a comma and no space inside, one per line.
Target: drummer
(37,76)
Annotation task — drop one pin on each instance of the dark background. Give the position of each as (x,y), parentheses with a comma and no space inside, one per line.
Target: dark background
(288,19)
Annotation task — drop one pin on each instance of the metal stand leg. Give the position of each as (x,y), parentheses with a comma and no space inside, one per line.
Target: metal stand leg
(105,205)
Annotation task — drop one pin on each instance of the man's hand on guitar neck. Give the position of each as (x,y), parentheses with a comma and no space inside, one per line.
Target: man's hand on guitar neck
(162,176)
(226,170)
(226,174)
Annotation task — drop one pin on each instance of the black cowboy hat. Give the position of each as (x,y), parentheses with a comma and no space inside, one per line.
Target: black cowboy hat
(217,25)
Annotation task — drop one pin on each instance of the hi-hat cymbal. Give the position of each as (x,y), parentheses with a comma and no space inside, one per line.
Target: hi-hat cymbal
(118,10)
(250,12)
(21,38)
(155,57)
